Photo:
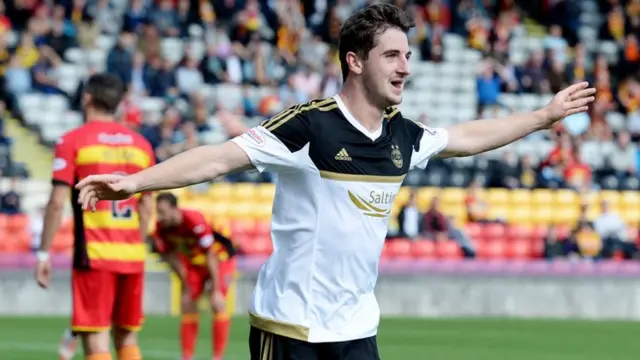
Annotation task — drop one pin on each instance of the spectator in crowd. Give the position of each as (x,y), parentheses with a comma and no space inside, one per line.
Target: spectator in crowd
(410,219)
(554,246)
(10,201)
(614,234)
(439,227)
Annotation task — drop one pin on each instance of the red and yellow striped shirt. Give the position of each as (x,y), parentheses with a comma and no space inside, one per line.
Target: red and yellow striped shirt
(110,238)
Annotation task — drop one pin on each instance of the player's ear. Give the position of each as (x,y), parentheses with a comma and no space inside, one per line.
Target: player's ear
(354,62)
(86,99)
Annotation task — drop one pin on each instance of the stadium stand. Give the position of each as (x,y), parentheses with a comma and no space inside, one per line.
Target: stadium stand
(198,69)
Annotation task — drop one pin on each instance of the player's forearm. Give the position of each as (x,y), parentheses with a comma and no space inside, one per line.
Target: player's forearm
(194,166)
(212,266)
(175,265)
(478,136)
(52,220)
(144,214)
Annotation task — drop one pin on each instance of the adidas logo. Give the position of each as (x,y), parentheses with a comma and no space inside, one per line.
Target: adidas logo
(343,155)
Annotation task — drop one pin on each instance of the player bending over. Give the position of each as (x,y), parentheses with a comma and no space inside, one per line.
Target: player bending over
(109,251)
(340,163)
(187,243)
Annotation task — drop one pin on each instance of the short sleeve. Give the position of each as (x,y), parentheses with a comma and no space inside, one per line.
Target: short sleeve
(276,143)
(200,230)
(429,143)
(64,167)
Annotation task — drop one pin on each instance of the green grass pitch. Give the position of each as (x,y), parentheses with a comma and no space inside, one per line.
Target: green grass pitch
(36,338)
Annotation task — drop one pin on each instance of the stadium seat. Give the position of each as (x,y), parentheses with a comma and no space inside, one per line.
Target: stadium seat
(16,223)
(565,214)
(262,228)
(447,250)
(519,249)
(498,197)
(243,226)
(220,191)
(630,199)
(542,197)
(519,215)
(612,197)
(542,214)
(520,197)
(493,231)
(565,197)
(519,232)
(400,248)
(491,249)
(453,196)
(266,192)
(243,192)
(474,230)
(423,249)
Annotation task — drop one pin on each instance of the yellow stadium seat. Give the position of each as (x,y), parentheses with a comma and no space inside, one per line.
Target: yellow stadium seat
(610,196)
(631,217)
(630,199)
(565,197)
(243,192)
(498,212)
(520,197)
(218,209)
(542,215)
(520,215)
(242,210)
(403,195)
(590,198)
(565,215)
(593,212)
(458,213)
(424,197)
(497,197)
(266,192)
(263,211)
(542,197)
(220,191)
(453,196)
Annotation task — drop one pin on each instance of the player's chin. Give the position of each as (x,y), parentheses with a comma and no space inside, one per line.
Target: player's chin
(393,98)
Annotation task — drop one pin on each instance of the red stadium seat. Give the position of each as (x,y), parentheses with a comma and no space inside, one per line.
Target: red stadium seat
(539,231)
(242,227)
(262,228)
(17,222)
(491,249)
(519,232)
(447,250)
(423,249)
(494,231)
(563,232)
(474,230)
(519,249)
(400,248)
(62,243)
(4,220)
(263,245)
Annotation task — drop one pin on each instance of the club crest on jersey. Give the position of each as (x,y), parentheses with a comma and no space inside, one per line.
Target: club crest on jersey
(396,156)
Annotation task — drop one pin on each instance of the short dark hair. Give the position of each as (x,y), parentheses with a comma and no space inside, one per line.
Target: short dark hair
(167,197)
(360,32)
(106,91)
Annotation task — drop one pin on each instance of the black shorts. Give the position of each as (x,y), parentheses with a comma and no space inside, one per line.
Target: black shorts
(267,346)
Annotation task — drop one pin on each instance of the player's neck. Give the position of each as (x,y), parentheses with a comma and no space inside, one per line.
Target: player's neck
(362,109)
(97,116)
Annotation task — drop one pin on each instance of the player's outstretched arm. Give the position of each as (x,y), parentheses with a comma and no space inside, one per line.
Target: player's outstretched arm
(190,167)
(474,137)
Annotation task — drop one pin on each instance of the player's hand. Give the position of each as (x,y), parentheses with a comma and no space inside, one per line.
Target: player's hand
(218,302)
(104,187)
(572,100)
(43,273)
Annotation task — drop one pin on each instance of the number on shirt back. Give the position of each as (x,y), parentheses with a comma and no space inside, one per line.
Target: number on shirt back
(121,209)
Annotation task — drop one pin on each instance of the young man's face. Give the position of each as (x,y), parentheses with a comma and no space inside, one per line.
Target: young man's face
(387,67)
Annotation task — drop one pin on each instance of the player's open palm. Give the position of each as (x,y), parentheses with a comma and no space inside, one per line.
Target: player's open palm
(572,100)
(104,187)
(43,273)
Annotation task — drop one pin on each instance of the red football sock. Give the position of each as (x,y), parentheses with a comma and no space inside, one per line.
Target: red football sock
(189,334)
(221,325)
